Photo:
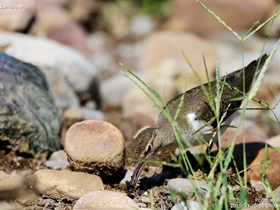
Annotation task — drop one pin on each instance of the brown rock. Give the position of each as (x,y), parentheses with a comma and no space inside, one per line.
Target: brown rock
(68,183)
(58,25)
(256,158)
(104,198)
(166,44)
(15,15)
(191,16)
(95,147)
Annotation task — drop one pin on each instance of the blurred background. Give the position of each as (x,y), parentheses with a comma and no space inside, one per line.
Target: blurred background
(78,44)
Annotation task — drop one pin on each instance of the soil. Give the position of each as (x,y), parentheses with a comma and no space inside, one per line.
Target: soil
(12,161)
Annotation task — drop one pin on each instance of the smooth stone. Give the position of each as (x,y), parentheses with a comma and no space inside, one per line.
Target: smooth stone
(58,155)
(91,114)
(141,26)
(73,114)
(55,23)
(187,186)
(258,185)
(67,71)
(105,199)
(255,156)
(191,205)
(276,193)
(96,147)
(21,12)
(57,164)
(201,22)
(58,160)
(162,45)
(112,96)
(66,183)
(30,120)
(3,175)
(15,186)
(5,205)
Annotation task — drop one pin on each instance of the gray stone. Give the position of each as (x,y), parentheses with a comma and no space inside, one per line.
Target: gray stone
(190,205)
(57,164)
(68,71)
(66,183)
(141,26)
(29,119)
(91,114)
(187,186)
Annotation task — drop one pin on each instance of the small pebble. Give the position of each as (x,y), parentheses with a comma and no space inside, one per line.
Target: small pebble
(187,186)
(191,205)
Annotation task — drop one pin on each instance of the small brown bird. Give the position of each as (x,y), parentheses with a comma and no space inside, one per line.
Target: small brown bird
(196,119)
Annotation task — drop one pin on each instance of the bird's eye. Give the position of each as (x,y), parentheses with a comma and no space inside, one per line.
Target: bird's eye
(148,148)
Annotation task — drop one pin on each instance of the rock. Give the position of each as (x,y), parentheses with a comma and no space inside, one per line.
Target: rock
(115,20)
(73,114)
(114,89)
(56,24)
(83,10)
(191,16)
(96,147)
(168,45)
(259,186)
(58,155)
(91,114)
(3,175)
(15,187)
(106,200)
(5,205)
(189,205)
(142,117)
(274,141)
(68,72)
(66,183)
(30,121)
(16,15)
(256,159)
(141,26)
(138,107)
(58,160)
(276,193)
(186,186)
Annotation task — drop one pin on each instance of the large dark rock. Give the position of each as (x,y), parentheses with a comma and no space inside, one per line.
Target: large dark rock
(29,119)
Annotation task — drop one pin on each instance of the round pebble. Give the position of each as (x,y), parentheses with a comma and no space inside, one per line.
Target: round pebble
(96,147)
(186,186)
(105,199)
(67,183)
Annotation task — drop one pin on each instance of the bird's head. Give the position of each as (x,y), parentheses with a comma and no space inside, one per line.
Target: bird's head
(145,146)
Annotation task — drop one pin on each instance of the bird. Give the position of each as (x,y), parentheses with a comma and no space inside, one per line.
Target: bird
(196,118)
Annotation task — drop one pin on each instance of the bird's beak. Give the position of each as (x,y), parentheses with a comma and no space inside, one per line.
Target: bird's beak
(136,173)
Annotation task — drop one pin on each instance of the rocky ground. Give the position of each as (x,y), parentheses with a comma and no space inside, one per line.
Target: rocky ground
(60,66)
